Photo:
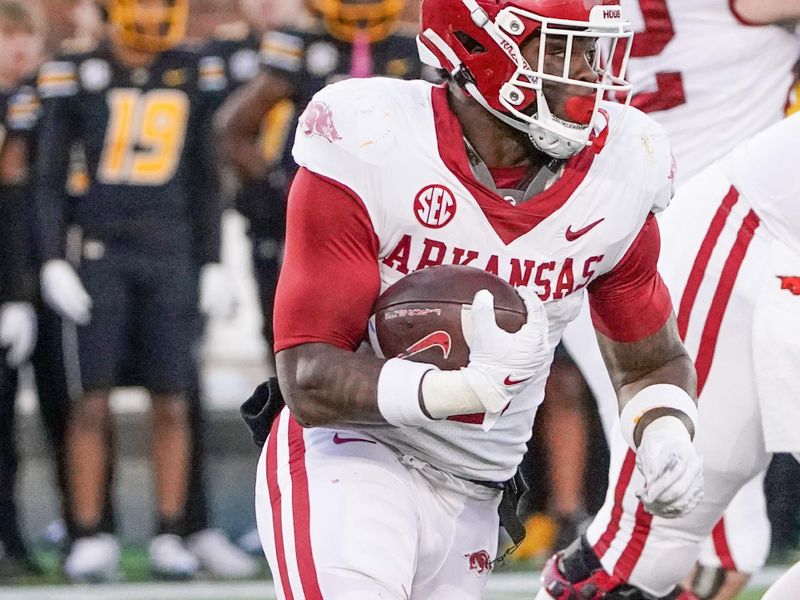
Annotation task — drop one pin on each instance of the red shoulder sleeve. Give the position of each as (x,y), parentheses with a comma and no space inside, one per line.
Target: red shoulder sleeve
(631,302)
(329,280)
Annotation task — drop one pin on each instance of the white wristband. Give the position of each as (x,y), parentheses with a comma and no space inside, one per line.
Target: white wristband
(399,392)
(661,395)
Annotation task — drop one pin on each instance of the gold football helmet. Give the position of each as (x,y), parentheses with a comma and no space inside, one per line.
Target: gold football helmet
(345,19)
(149,25)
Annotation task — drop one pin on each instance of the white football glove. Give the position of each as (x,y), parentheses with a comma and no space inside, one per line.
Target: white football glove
(217,297)
(17,331)
(673,473)
(502,364)
(63,291)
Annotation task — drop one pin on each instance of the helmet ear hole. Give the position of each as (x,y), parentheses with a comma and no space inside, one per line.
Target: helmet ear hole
(469,43)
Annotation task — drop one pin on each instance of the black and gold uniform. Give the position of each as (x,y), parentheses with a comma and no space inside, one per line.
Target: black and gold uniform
(232,57)
(151,213)
(18,112)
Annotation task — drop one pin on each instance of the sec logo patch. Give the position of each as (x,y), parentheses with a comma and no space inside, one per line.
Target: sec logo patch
(435,206)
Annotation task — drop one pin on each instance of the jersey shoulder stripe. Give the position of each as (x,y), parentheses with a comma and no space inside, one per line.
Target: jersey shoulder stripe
(58,78)
(283,50)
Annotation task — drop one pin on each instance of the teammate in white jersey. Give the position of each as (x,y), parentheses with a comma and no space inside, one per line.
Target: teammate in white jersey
(731,259)
(713,73)
(382,478)
(709,74)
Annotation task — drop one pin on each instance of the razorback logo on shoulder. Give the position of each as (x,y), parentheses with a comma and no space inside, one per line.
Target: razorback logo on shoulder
(550,279)
(318,120)
(792,284)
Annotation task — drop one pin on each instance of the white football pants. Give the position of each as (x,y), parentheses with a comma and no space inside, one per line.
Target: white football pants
(714,256)
(343,517)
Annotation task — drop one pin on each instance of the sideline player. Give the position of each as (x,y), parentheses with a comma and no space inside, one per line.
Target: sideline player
(151,214)
(383,477)
(731,259)
(712,77)
(21,45)
(345,38)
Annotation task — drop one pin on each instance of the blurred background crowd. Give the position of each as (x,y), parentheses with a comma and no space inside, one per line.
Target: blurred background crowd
(91,463)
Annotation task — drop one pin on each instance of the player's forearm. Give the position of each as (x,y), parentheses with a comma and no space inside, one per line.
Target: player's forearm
(768,11)
(325,386)
(659,360)
(237,125)
(17,257)
(49,223)
(678,372)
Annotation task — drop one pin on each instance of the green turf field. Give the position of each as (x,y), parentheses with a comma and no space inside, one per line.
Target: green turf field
(518,582)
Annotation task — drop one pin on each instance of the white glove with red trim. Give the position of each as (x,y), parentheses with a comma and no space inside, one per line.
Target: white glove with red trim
(673,473)
(502,364)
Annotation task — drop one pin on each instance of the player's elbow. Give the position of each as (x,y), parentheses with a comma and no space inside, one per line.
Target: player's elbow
(306,407)
(303,389)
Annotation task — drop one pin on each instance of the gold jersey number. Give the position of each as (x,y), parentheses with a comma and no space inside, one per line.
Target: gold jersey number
(145,137)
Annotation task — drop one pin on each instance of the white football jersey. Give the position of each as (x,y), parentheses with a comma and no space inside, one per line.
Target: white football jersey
(765,170)
(709,79)
(398,148)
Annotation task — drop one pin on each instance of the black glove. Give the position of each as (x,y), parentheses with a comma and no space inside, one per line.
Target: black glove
(261,410)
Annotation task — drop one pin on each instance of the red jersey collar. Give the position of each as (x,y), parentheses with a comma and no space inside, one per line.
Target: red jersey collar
(509,222)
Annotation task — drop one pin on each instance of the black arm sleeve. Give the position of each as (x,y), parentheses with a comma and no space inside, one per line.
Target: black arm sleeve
(57,130)
(205,208)
(17,282)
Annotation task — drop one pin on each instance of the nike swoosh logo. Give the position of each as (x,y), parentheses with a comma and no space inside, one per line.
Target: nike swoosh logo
(509,381)
(337,439)
(437,339)
(574,235)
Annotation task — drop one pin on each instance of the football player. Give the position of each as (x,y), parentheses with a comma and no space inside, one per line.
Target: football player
(347,38)
(234,53)
(21,45)
(731,258)
(136,103)
(689,60)
(382,478)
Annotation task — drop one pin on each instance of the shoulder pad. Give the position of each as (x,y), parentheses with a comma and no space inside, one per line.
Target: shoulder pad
(283,50)
(58,78)
(350,127)
(232,32)
(211,75)
(635,134)
(23,109)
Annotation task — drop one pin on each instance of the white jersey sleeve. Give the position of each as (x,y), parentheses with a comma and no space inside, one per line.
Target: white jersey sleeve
(764,169)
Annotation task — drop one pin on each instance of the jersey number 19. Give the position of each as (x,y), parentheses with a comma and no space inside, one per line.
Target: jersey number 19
(145,136)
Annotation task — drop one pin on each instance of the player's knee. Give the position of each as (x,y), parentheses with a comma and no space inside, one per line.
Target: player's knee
(170,411)
(92,413)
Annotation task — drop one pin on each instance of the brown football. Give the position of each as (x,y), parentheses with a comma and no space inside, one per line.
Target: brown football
(419,317)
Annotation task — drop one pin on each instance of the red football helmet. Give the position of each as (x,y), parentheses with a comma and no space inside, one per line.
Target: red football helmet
(478,42)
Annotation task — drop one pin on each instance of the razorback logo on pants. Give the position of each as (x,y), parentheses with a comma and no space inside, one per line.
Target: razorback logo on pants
(792,284)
